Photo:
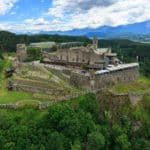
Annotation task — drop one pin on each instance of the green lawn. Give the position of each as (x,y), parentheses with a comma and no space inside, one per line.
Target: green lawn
(140,86)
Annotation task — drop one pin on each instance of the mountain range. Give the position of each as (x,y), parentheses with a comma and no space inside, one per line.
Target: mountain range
(137,31)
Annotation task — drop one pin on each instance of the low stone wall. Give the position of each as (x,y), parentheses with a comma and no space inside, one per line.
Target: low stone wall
(8,106)
(35,86)
(66,98)
(33,83)
(37,89)
(41,105)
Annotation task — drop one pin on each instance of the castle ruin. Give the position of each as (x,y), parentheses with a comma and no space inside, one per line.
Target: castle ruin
(90,67)
(91,56)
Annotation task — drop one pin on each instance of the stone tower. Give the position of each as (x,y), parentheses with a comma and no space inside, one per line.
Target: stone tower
(95,43)
(21,52)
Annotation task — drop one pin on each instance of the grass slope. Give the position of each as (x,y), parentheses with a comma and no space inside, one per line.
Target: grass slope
(34,75)
(140,86)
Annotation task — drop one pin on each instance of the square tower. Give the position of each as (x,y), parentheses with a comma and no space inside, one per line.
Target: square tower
(95,43)
(21,52)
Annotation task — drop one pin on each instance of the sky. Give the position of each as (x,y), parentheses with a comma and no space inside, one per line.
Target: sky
(62,15)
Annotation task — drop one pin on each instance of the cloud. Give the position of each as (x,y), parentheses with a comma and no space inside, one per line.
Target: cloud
(89,13)
(32,25)
(60,7)
(76,14)
(6,5)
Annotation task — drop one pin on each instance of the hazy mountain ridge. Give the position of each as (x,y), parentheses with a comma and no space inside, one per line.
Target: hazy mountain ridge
(136,32)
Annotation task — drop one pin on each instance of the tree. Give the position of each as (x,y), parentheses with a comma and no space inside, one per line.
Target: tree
(34,54)
(119,138)
(76,145)
(1,54)
(96,141)
(90,104)
(56,114)
(145,68)
(63,119)
(87,125)
(1,65)
(9,146)
(141,143)
(56,141)
(54,48)
(122,142)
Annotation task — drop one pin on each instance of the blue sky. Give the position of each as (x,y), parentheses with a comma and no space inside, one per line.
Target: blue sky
(53,15)
(25,9)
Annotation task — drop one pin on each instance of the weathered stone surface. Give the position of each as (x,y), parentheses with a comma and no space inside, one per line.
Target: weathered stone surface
(135,98)
(102,81)
(21,52)
(91,56)
(8,106)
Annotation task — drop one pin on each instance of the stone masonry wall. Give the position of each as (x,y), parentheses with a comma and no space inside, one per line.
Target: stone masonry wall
(101,81)
(80,81)
(121,76)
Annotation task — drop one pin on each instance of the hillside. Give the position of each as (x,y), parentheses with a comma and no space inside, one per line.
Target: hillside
(36,85)
(82,123)
(9,40)
(92,121)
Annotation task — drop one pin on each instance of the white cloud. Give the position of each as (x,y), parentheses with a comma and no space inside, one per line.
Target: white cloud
(32,25)
(6,5)
(60,7)
(71,14)
(100,12)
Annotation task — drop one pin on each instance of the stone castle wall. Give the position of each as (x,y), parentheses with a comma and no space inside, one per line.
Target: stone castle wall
(80,81)
(101,81)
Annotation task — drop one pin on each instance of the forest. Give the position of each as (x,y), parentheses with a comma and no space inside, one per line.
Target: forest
(77,124)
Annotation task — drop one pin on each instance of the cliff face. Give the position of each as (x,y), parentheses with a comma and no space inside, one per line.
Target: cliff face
(112,104)
(115,104)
